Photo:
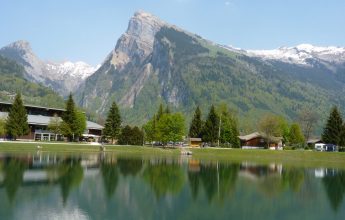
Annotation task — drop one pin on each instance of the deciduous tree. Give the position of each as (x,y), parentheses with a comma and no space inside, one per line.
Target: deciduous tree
(295,135)
(2,126)
(55,125)
(171,127)
(269,126)
(307,119)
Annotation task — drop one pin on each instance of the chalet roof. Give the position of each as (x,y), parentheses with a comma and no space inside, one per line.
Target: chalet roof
(250,136)
(257,135)
(44,120)
(35,106)
(314,141)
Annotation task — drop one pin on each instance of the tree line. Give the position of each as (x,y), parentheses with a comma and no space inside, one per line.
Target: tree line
(219,128)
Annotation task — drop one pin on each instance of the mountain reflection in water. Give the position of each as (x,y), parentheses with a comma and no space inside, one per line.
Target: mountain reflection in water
(99,185)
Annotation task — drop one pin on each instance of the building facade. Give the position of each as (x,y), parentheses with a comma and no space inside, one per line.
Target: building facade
(38,119)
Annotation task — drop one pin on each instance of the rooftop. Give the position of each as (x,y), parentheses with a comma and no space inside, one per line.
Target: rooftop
(35,106)
(44,120)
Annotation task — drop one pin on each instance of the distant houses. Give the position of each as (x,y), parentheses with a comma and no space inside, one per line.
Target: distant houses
(39,118)
(195,142)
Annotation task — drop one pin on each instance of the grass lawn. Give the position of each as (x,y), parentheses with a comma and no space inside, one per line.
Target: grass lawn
(287,157)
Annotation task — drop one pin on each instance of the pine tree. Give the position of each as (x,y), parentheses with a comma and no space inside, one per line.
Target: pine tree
(229,129)
(332,133)
(113,123)
(125,136)
(210,129)
(17,120)
(70,126)
(195,130)
(167,110)
(160,112)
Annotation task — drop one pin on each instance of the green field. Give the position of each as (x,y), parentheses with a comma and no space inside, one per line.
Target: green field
(286,157)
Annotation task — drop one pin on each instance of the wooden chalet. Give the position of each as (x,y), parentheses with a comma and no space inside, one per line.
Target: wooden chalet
(195,142)
(257,140)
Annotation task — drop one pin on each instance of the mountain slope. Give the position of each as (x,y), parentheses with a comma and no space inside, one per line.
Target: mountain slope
(12,80)
(156,62)
(62,77)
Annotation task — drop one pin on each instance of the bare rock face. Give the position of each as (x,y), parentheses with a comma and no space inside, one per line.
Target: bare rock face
(137,42)
(21,52)
(137,58)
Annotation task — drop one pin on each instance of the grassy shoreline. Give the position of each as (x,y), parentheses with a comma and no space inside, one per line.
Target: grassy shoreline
(286,157)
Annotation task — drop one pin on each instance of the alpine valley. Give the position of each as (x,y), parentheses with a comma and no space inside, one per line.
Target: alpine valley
(155,62)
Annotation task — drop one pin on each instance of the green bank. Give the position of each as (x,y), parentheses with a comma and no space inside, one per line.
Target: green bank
(286,157)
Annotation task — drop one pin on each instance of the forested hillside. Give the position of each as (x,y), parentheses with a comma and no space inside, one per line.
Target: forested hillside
(12,81)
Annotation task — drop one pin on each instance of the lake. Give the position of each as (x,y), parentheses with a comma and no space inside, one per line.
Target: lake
(104,186)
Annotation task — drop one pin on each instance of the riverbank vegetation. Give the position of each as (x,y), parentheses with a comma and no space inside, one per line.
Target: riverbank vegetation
(303,158)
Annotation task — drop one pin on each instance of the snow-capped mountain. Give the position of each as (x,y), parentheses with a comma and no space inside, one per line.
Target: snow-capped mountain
(63,77)
(303,54)
(78,69)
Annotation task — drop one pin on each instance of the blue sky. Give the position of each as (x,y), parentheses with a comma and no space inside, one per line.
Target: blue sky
(87,30)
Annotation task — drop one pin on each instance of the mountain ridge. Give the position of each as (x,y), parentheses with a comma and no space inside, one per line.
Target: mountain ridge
(63,77)
(169,65)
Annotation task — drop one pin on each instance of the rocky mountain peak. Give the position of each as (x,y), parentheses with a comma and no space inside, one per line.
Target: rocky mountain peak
(137,41)
(62,77)
(20,45)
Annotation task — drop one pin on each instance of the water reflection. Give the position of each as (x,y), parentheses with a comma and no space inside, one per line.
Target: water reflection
(160,179)
(129,166)
(164,177)
(334,183)
(13,170)
(218,179)
(71,175)
(110,176)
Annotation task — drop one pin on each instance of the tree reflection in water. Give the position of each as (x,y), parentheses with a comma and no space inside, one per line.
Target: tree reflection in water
(334,183)
(293,178)
(71,175)
(129,166)
(218,180)
(13,176)
(110,178)
(164,177)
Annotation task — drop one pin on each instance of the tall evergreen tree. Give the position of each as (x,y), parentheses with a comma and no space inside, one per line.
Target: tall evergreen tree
(17,120)
(195,130)
(125,138)
(72,126)
(113,123)
(332,133)
(167,110)
(160,112)
(229,127)
(210,129)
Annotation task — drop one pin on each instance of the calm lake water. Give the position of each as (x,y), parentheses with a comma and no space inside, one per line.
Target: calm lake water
(103,186)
